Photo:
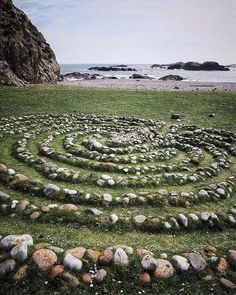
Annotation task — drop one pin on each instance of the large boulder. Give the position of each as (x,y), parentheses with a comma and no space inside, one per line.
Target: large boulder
(24,49)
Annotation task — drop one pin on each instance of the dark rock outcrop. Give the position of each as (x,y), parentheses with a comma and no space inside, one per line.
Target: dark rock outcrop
(195,66)
(138,76)
(80,76)
(24,49)
(171,78)
(114,69)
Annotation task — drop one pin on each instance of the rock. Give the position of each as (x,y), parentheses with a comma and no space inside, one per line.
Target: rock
(182,219)
(120,257)
(193,217)
(222,266)
(106,257)
(197,261)
(20,252)
(149,263)
(111,68)
(196,161)
(57,250)
(12,240)
(182,262)
(114,218)
(87,278)
(40,246)
(171,78)
(164,269)
(68,208)
(69,280)
(72,262)
(7,77)
(175,116)
(195,66)
(92,255)
(204,216)
(138,76)
(35,215)
(107,198)
(4,197)
(203,193)
(93,211)
(140,219)
(51,190)
(56,271)
(232,259)
(24,53)
(44,259)
(22,205)
(77,252)
(6,267)
(227,284)
(100,275)
(144,278)
(21,273)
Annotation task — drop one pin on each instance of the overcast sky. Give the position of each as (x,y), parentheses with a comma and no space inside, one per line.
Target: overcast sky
(136,31)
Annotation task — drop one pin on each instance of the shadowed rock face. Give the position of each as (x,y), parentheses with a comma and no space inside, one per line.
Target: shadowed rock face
(24,48)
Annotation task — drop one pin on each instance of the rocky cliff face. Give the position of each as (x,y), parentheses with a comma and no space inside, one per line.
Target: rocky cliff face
(24,48)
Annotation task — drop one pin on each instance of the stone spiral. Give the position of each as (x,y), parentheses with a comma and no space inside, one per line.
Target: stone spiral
(119,172)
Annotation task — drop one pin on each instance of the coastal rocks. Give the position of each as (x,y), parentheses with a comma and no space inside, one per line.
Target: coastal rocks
(139,76)
(100,275)
(112,68)
(44,259)
(164,269)
(22,44)
(72,262)
(12,240)
(77,252)
(7,267)
(171,78)
(195,66)
(197,261)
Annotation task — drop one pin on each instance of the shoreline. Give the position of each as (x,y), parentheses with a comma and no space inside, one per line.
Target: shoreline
(155,85)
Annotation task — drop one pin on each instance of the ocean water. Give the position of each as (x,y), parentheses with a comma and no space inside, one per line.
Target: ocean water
(198,76)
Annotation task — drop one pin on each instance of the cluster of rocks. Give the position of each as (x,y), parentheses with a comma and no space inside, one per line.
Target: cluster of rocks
(69,268)
(193,66)
(97,219)
(118,68)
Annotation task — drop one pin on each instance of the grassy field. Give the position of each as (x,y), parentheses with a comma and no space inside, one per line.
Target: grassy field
(194,107)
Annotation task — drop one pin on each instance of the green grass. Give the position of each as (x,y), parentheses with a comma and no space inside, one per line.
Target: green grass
(193,106)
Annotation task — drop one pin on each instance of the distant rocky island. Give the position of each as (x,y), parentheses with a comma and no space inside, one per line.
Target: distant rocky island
(193,66)
(25,56)
(122,68)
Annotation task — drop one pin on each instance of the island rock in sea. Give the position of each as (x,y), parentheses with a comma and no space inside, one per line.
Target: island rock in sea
(25,56)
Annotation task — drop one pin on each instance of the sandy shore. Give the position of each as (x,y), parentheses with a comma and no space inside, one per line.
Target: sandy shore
(153,85)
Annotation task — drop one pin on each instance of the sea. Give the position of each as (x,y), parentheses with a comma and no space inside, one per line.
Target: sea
(145,69)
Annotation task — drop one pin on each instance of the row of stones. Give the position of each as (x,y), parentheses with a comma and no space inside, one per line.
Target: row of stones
(46,122)
(55,213)
(93,266)
(218,191)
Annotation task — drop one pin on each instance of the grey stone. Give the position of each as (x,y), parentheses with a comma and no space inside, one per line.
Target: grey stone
(182,262)
(197,261)
(20,252)
(72,262)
